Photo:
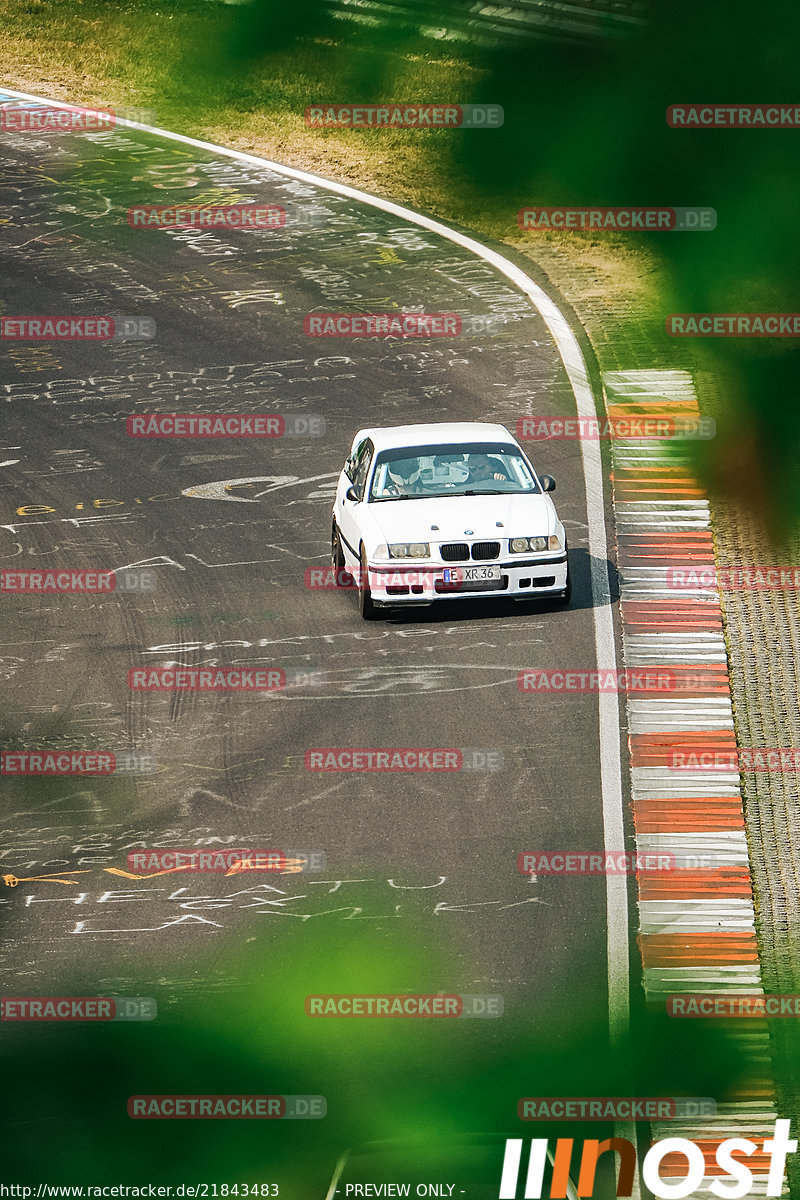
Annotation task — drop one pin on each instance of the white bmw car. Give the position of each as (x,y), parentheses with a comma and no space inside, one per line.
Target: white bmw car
(447,512)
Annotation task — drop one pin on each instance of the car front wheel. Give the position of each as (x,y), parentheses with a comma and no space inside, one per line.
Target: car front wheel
(365,603)
(566,595)
(338,566)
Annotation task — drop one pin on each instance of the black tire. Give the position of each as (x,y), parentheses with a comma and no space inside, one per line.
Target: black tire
(338,566)
(365,605)
(566,596)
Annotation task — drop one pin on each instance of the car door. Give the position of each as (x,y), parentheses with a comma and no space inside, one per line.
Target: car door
(356,471)
(345,479)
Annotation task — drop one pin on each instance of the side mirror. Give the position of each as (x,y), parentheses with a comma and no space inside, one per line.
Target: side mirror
(351,494)
(548,483)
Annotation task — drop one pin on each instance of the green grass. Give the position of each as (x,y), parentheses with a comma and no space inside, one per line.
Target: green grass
(194,64)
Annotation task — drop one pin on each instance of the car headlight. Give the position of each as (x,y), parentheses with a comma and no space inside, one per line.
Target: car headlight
(522,545)
(410,550)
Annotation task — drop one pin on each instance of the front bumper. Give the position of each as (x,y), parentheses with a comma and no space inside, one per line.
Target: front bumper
(400,585)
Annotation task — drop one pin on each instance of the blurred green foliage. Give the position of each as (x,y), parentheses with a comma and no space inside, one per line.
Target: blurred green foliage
(67,1086)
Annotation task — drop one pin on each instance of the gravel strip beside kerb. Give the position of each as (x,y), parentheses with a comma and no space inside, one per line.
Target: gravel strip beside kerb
(763,630)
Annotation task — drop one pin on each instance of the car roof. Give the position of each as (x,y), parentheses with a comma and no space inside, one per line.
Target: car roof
(443,433)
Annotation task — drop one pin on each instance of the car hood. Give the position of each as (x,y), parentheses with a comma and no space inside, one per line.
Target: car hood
(521,515)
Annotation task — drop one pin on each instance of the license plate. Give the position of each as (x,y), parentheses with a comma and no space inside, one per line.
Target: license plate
(471,574)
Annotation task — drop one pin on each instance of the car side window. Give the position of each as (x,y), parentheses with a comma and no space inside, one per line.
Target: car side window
(350,465)
(361,462)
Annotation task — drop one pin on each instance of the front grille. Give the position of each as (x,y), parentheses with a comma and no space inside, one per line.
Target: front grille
(455,552)
(484,550)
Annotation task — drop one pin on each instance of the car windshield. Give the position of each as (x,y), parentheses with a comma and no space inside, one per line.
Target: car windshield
(468,469)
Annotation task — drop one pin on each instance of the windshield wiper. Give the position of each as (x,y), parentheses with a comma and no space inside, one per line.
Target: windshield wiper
(486,492)
(384,499)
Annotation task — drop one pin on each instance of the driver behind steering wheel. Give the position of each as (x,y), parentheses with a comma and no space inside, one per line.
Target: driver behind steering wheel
(403,477)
